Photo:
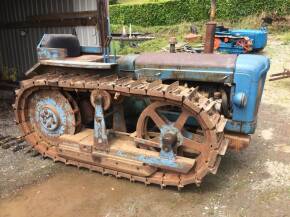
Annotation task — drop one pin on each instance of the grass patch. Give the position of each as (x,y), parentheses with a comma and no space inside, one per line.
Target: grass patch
(140,1)
(163,33)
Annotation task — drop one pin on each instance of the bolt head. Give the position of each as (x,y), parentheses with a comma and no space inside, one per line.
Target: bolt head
(169,140)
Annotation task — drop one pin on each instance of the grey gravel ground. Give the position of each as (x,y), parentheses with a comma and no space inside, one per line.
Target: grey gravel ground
(17,169)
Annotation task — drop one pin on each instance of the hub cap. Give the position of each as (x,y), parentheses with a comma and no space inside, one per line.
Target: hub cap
(49,118)
(51,114)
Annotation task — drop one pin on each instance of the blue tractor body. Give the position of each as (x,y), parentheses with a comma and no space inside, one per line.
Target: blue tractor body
(249,79)
(239,41)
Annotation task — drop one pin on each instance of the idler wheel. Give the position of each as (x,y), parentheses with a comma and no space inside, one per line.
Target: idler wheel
(106,98)
(51,114)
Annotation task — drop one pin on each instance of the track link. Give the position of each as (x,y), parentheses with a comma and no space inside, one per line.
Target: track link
(87,82)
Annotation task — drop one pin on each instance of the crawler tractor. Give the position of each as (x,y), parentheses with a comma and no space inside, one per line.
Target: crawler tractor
(156,118)
(239,41)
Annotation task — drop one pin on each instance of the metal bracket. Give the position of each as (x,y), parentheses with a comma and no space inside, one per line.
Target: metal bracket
(170,140)
(100,135)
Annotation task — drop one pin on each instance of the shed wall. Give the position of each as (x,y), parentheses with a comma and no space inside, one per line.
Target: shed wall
(18,46)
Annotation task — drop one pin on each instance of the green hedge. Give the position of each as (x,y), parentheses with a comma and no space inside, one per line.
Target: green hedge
(172,12)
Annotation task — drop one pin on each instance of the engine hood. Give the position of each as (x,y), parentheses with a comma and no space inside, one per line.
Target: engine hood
(181,66)
(217,68)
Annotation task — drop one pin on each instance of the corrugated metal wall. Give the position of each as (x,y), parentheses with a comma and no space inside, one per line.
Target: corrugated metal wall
(18,46)
(86,34)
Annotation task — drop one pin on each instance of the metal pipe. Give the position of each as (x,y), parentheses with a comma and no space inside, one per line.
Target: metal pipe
(238,142)
(172,43)
(209,37)
(103,26)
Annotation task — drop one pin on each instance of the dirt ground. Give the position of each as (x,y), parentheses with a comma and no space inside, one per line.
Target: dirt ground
(255,182)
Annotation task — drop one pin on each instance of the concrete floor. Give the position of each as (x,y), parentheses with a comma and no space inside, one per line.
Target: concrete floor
(255,182)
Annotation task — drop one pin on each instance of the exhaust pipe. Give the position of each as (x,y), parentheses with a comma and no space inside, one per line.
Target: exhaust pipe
(209,37)
(210,30)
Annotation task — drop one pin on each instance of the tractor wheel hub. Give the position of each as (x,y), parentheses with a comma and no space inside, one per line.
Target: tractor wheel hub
(49,118)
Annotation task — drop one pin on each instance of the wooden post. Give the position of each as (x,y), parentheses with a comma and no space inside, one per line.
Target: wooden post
(103,25)
(213,10)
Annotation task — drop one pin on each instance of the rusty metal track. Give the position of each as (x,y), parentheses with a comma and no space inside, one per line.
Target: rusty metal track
(187,98)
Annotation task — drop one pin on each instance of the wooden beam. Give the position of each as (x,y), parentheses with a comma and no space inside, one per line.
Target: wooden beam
(85,18)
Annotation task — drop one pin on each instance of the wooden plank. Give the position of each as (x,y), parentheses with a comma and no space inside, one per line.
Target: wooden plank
(78,137)
(106,160)
(63,16)
(49,23)
(82,18)
(125,165)
(86,58)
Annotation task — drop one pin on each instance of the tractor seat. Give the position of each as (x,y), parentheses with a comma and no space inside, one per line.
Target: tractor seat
(67,41)
(72,45)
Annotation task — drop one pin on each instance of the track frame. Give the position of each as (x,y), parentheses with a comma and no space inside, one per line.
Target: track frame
(189,98)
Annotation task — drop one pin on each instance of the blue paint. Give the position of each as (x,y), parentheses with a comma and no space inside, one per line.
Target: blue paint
(240,99)
(241,127)
(91,50)
(230,48)
(153,161)
(100,126)
(51,53)
(249,78)
(165,162)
